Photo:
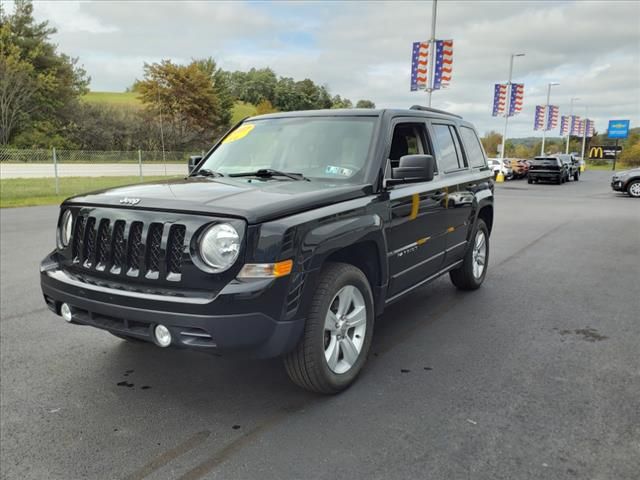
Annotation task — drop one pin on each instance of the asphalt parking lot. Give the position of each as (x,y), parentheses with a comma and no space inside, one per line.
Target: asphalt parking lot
(534,376)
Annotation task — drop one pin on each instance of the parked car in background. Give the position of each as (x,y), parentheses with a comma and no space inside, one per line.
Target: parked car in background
(573,166)
(548,168)
(627,181)
(498,165)
(518,167)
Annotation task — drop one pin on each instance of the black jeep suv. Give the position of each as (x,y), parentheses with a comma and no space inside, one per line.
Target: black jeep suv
(289,238)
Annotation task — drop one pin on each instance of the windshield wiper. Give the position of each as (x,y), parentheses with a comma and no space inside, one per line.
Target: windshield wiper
(270,172)
(205,172)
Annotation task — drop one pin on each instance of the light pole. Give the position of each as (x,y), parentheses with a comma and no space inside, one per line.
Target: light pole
(432,51)
(546,117)
(584,130)
(573,99)
(506,112)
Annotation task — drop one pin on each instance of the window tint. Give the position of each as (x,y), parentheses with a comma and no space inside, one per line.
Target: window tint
(472,147)
(407,140)
(448,155)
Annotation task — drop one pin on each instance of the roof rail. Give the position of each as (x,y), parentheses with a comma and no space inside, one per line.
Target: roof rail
(433,110)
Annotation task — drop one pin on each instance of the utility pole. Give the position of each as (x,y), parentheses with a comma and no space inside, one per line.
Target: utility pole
(573,99)
(432,52)
(546,116)
(584,131)
(506,110)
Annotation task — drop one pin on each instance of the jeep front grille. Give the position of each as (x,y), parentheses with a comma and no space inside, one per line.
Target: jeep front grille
(130,248)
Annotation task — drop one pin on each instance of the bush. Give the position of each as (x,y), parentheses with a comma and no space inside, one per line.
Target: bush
(631,156)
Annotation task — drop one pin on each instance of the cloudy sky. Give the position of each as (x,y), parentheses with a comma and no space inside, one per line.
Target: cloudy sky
(363,49)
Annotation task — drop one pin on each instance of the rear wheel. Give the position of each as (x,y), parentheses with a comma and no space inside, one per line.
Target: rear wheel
(634,189)
(576,176)
(338,331)
(470,275)
(529,181)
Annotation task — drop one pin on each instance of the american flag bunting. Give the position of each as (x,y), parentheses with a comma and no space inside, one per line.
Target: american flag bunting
(538,123)
(517,97)
(444,63)
(419,66)
(552,117)
(576,126)
(499,99)
(564,125)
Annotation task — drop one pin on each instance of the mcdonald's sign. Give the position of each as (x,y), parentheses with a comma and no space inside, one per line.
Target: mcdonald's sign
(604,152)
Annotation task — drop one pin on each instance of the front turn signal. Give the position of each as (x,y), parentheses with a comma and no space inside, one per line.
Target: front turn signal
(266,270)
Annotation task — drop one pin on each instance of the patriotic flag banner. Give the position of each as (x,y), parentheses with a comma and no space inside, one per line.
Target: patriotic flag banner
(576,126)
(499,99)
(591,128)
(517,96)
(565,120)
(419,66)
(538,123)
(444,64)
(552,117)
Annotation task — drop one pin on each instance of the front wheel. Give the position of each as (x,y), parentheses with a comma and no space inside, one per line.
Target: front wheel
(634,189)
(470,275)
(337,334)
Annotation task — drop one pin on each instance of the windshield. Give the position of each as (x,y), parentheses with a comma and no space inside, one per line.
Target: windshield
(333,148)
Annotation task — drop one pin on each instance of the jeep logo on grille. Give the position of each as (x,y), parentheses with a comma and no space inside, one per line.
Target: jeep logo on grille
(129,201)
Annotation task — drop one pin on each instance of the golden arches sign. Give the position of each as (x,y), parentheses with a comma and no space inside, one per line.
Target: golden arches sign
(596,152)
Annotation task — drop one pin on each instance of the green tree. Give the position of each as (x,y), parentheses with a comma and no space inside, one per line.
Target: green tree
(491,141)
(53,81)
(630,156)
(339,102)
(365,104)
(265,107)
(185,102)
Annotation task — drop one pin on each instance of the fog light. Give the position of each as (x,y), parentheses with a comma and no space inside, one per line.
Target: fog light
(65,311)
(163,335)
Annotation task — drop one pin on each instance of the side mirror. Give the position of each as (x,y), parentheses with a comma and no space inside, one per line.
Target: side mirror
(194,160)
(414,168)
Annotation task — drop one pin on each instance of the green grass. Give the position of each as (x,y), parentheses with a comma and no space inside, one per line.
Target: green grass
(115,99)
(242,110)
(24,192)
(605,167)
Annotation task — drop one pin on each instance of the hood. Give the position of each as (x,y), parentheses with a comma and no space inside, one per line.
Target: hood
(256,200)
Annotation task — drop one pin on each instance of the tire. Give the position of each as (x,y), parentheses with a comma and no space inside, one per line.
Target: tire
(318,363)
(633,189)
(576,176)
(466,276)
(529,181)
(126,338)
(559,180)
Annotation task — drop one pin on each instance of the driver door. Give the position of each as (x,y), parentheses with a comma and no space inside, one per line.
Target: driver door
(416,230)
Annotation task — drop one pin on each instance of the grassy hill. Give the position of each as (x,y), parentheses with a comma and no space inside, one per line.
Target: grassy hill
(130,99)
(116,99)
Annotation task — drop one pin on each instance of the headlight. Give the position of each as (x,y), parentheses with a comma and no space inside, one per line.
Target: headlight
(220,246)
(66,225)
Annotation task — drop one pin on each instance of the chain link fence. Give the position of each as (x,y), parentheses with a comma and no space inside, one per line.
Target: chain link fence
(68,172)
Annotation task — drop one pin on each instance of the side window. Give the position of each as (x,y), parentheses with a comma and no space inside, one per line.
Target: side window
(472,147)
(448,158)
(408,139)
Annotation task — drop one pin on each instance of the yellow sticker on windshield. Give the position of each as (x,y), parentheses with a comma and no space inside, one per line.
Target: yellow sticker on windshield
(240,132)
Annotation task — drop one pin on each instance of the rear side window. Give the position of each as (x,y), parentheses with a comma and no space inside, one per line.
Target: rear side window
(449,157)
(472,146)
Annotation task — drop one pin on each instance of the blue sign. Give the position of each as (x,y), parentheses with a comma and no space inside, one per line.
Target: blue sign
(618,129)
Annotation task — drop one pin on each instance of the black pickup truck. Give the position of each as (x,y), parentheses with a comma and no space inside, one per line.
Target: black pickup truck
(289,238)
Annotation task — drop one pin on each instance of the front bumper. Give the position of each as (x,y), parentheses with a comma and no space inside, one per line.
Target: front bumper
(617,185)
(232,322)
